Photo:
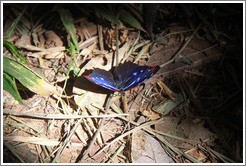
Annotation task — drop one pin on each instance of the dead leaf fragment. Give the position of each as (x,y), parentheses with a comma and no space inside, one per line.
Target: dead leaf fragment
(52,39)
(146,149)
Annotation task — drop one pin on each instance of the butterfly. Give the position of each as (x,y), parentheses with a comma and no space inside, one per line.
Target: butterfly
(125,76)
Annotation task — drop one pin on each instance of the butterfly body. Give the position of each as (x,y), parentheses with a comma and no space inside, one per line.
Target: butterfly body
(124,77)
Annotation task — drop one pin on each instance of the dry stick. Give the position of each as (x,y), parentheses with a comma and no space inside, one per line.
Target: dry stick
(128,142)
(66,141)
(100,37)
(158,133)
(183,47)
(178,32)
(124,99)
(205,49)
(26,124)
(98,130)
(119,150)
(176,150)
(58,116)
(131,50)
(107,106)
(218,155)
(155,132)
(117,46)
(129,132)
(13,151)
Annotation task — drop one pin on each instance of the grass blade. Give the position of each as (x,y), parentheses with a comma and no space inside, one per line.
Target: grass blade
(13,26)
(67,20)
(13,50)
(10,86)
(102,11)
(126,17)
(27,77)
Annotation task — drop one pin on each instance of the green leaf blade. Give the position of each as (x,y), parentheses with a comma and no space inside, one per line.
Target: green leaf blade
(26,77)
(10,86)
(13,50)
(126,17)
(16,21)
(107,15)
(67,20)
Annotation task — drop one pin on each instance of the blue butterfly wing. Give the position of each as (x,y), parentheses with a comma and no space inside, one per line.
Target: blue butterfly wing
(103,78)
(139,75)
(126,76)
(123,71)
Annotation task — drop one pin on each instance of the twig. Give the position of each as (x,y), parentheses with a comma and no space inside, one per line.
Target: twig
(100,37)
(88,42)
(154,132)
(176,150)
(20,121)
(131,50)
(20,128)
(128,141)
(182,48)
(13,151)
(205,49)
(178,32)
(66,141)
(124,99)
(58,116)
(98,130)
(129,132)
(218,155)
(117,153)
(117,45)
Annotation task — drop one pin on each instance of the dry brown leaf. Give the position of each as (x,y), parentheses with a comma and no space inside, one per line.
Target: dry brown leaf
(185,129)
(146,149)
(87,98)
(25,39)
(86,29)
(167,90)
(52,39)
(166,54)
(197,154)
(100,62)
(37,36)
(165,107)
(33,140)
(88,42)
(50,53)
(198,131)
(151,114)
(29,47)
